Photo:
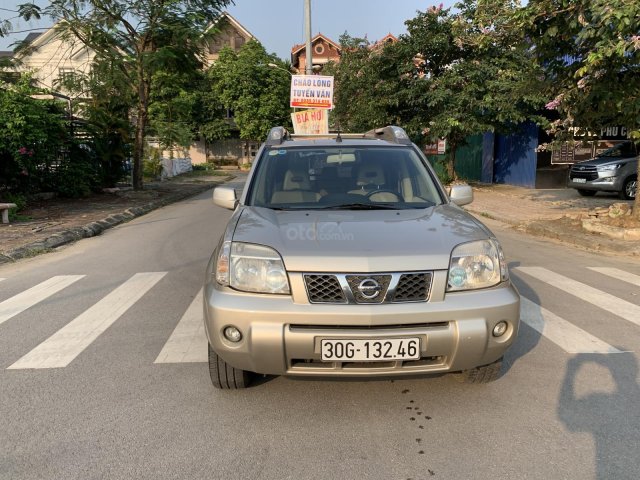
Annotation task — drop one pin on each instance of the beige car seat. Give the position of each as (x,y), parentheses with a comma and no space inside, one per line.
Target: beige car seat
(296,188)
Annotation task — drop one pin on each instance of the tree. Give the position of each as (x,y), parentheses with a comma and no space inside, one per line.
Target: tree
(138,37)
(103,100)
(470,74)
(365,80)
(591,54)
(453,75)
(257,94)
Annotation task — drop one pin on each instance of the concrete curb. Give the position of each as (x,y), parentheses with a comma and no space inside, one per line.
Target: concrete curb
(93,229)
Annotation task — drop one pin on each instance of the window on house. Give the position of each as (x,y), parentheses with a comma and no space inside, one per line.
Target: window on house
(66,76)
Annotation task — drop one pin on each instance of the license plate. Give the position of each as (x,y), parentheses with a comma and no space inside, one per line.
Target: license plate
(380,350)
(579,180)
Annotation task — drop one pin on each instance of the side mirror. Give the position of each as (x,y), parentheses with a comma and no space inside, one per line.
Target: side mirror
(461,194)
(225,197)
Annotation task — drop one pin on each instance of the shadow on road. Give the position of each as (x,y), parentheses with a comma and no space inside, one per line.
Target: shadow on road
(528,338)
(613,419)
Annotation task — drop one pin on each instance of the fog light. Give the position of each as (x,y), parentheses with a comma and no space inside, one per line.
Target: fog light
(232,334)
(500,329)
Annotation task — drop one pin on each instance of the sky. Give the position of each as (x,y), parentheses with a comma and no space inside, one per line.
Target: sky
(279,24)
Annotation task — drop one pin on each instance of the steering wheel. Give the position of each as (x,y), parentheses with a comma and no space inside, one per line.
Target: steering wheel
(392,192)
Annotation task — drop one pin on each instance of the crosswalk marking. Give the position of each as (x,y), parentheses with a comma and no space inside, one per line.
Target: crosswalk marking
(67,343)
(188,342)
(606,301)
(618,274)
(20,302)
(561,332)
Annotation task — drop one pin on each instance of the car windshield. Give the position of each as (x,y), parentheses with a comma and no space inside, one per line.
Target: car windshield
(622,150)
(351,178)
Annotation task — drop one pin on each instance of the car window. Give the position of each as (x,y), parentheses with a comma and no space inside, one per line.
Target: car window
(626,149)
(336,177)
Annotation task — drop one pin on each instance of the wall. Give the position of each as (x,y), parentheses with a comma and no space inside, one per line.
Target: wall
(53,56)
(515,157)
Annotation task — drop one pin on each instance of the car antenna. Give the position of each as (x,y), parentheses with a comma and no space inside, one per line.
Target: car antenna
(338,137)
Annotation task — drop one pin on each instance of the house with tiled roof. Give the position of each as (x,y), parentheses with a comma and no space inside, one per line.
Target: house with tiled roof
(324,50)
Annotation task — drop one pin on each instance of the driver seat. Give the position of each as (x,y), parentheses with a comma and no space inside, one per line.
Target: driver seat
(296,188)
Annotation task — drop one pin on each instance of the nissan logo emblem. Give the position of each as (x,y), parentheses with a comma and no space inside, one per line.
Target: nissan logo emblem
(369,288)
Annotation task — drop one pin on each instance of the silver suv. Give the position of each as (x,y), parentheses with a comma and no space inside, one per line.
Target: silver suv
(614,170)
(346,257)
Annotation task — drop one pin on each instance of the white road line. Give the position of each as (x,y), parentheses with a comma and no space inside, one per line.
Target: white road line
(561,332)
(188,342)
(70,341)
(618,274)
(606,301)
(20,302)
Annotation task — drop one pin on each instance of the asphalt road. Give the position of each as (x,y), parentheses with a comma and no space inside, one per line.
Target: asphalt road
(86,393)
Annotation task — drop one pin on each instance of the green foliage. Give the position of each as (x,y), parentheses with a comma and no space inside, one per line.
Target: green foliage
(454,74)
(139,38)
(153,163)
(471,73)
(365,80)
(172,107)
(33,133)
(257,94)
(591,53)
(77,175)
(27,11)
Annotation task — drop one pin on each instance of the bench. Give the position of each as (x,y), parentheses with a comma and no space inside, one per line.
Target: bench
(4,208)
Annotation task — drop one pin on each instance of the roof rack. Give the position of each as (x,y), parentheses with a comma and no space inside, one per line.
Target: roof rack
(391,133)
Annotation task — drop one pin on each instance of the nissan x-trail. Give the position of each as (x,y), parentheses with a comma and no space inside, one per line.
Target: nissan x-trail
(345,256)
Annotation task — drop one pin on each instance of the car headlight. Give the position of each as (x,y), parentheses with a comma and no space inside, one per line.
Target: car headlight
(251,268)
(608,168)
(479,264)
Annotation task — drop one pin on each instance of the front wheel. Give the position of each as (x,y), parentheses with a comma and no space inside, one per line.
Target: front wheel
(586,193)
(224,376)
(629,188)
(484,374)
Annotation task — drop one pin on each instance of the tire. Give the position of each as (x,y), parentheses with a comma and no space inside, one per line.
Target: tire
(224,376)
(586,193)
(485,374)
(629,189)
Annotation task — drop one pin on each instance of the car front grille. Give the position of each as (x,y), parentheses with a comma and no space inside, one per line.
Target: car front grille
(366,288)
(324,289)
(413,287)
(587,172)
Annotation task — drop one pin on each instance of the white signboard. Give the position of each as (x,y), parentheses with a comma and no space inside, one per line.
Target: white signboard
(310,122)
(312,91)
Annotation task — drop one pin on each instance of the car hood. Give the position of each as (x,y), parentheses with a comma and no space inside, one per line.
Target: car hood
(361,240)
(600,161)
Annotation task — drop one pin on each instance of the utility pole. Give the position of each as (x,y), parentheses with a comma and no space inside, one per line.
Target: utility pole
(307,25)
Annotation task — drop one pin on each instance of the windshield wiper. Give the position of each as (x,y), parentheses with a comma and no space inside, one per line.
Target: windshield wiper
(362,206)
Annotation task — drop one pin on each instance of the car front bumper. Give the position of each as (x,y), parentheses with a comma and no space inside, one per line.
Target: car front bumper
(282,334)
(606,182)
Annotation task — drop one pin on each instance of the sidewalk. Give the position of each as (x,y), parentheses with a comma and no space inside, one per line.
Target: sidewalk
(550,213)
(49,224)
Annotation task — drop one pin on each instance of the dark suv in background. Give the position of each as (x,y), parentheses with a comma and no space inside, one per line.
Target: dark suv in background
(614,170)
